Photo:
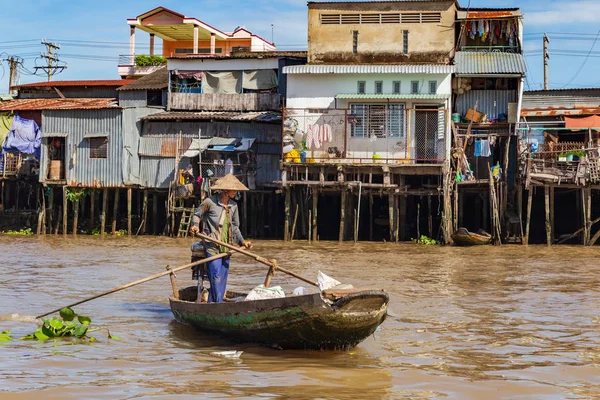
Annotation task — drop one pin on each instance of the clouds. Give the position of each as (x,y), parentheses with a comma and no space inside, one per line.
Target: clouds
(564,12)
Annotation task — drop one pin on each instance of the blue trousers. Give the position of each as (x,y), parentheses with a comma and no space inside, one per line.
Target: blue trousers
(217,271)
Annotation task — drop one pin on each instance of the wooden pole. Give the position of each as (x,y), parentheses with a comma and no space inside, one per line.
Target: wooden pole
(419,219)
(50,208)
(552,214)
(92,209)
(391,215)
(44,211)
(342,214)
(286,224)
(547,208)
(65,209)
(315,208)
(115,212)
(588,213)
(245,214)
(355,226)
(145,212)
(75,215)
(58,220)
(129,211)
(154,213)
(103,213)
(429,217)
(528,220)
(370,216)
(309,236)
(173,282)
(139,282)
(262,260)
(295,222)
(456,205)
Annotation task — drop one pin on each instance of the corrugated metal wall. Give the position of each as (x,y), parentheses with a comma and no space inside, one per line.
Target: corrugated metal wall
(158,172)
(81,169)
(132,128)
(545,101)
(109,92)
(133,98)
(490,102)
(267,168)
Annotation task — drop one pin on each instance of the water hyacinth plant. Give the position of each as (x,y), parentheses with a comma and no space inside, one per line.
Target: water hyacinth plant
(68,325)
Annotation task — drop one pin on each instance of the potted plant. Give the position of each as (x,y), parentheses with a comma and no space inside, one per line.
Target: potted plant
(578,155)
(569,156)
(562,157)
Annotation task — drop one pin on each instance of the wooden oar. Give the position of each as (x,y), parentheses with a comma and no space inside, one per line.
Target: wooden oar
(150,278)
(270,263)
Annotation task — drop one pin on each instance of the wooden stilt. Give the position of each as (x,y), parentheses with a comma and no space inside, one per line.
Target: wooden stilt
(456,205)
(461,209)
(65,209)
(92,222)
(129,194)
(50,216)
(309,237)
(155,214)
(429,218)
(355,226)
(44,211)
(547,208)
(40,217)
(528,221)
(397,222)
(419,218)
(286,224)
(303,214)
(588,214)
(2,195)
(295,222)
(552,215)
(344,193)
(391,215)
(103,213)
(75,216)
(315,207)
(58,220)
(145,212)
(245,214)
(115,212)
(370,216)
(520,208)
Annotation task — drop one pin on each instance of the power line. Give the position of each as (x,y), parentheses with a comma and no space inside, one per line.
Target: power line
(584,61)
(54,65)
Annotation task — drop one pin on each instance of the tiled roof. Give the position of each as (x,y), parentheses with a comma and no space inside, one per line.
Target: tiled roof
(245,55)
(57,104)
(158,79)
(114,82)
(258,116)
(478,63)
(369,69)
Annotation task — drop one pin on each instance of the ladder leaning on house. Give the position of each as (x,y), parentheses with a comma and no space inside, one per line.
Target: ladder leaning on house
(593,165)
(186,220)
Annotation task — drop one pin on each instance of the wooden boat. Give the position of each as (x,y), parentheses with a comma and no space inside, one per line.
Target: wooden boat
(328,320)
(462,237)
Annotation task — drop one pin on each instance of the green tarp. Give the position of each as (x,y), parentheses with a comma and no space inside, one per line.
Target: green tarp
(6,120)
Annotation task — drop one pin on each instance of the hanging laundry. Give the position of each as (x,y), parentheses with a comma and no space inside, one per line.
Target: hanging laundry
(477,151)
(481,27)
(472,30)
(485,148)
(325,133)
(486,30)
(497,29)
(492,140)
(312,137)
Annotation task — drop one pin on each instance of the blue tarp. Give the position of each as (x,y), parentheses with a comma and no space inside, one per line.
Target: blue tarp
(24,136)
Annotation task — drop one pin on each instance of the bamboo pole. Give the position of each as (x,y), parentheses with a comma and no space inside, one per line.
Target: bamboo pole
(547,209)
(50,216)
(286,224)
(75,215)
(262,260)
(65,209)
(315,207)
(342,214)
(139,282)
(295,221)
(103,213)
(92,209)
(391,215)
(154,213)
(528,220)
(115,212)
(129,194)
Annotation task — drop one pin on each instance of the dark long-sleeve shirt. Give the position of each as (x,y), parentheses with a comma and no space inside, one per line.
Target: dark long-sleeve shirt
(210,212)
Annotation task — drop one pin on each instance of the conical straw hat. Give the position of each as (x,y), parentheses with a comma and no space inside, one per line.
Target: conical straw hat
(229,182)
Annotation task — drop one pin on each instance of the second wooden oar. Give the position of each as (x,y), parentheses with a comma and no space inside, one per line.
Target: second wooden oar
(269,263)
(138,282)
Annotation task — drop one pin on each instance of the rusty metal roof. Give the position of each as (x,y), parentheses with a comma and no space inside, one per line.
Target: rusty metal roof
(113,82)
(479,63)
(158,79)
(257,116)
(57,104)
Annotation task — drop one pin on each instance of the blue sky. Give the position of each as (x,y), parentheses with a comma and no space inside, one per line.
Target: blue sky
(572,26)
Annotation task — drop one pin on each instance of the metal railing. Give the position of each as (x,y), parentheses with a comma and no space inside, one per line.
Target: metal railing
(365,133)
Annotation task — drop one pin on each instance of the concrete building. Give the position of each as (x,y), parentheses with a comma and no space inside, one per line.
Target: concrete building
(369,117)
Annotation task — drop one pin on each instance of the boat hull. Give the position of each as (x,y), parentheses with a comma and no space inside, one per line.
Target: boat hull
(462,237)
(298,322)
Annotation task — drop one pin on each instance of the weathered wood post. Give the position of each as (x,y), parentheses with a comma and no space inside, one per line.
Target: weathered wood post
(65,209)
(75,215)
(391,215)
(92,209)
(286,223)
(429,217)
(528,220)
(343,196)
(154,213)
(552,214)
(129,211)
(315,206)
(370,216)
(103,213)
(50,208)
(588,214)
(145,212)
(547,208)
(115,211)
(173,283)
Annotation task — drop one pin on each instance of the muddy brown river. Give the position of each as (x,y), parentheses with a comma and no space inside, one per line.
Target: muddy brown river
(482,323)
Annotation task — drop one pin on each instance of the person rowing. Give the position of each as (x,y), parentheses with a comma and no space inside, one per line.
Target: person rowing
(220,220)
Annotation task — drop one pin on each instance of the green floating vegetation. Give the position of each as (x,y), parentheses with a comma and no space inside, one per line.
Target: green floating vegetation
(68,325)
(22,232)
(5,336)
(427,241)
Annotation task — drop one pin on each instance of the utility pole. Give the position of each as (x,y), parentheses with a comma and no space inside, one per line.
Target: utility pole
(546,58)
(52,67)
(13,63)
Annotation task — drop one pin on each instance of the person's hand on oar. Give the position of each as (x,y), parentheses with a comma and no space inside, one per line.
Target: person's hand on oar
(194,230)
(247,244)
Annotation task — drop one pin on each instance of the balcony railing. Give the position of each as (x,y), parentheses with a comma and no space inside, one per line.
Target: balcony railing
(225,102)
